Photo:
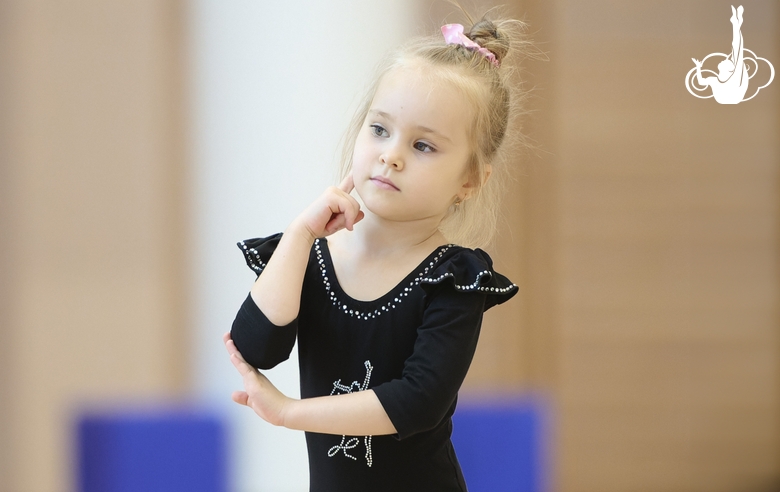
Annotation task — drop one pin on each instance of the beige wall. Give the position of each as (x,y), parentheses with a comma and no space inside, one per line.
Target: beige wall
(649,252)
(92,192)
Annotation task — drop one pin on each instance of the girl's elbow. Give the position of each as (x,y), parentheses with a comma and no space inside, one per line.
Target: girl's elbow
(262,353)
(265,361)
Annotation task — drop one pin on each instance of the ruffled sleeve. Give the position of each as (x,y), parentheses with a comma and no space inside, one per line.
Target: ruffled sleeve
(458,290)
(258,251)
(261,343)
(470,270)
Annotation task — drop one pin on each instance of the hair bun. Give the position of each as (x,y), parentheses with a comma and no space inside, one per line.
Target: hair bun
(489,36)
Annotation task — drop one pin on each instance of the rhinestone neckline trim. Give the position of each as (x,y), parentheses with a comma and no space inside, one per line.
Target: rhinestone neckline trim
(256,264)
(385,308)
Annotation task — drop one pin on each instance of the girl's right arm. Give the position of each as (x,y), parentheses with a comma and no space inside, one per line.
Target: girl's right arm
(277,291)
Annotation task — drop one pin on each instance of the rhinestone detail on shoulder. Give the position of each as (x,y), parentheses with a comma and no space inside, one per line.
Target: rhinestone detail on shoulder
(472,286)
(255,263)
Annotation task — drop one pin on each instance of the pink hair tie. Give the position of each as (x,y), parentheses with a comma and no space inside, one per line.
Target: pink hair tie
(453,34)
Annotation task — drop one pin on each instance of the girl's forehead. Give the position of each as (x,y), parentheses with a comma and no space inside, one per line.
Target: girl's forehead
(420,90)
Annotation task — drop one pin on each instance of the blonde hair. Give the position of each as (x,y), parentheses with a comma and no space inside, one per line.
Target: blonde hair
(496,98)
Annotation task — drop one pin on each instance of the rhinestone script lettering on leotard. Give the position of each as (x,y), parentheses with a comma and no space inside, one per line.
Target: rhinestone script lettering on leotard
(351,443)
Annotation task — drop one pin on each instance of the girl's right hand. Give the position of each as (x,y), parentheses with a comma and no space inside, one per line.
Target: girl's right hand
(334,210)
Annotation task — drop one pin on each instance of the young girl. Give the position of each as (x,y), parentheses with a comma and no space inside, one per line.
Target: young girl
(385,309)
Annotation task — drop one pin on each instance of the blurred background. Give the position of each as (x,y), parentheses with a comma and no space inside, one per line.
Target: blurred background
(139,140)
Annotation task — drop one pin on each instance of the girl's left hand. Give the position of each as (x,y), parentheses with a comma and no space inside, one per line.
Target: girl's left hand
(260,394)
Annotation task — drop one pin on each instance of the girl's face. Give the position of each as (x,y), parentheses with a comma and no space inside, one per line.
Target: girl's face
(410,159)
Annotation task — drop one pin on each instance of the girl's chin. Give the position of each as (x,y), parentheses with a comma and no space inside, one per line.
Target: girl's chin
(383,212)
(375,210)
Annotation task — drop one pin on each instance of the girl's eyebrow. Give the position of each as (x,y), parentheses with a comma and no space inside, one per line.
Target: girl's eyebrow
(381,113)
(423,129)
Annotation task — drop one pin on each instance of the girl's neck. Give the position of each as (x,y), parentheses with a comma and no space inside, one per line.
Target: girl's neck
(380,237)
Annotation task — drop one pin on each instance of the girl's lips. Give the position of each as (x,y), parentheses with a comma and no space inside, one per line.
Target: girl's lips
(384,183)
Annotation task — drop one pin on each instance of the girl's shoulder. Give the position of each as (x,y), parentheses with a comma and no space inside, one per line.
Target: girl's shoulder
(468,270)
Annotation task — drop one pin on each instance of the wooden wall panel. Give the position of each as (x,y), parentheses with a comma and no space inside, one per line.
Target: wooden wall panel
(668,247)
(5,244)
(646,231)
(92,127)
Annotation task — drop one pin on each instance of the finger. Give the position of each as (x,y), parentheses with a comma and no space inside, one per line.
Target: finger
(240,397)
(359,217)
(235,356)
(351,211)
(344,210)
(241,365)
(226,337)
(347,184)
(231,348)
(351,220)
(337,223)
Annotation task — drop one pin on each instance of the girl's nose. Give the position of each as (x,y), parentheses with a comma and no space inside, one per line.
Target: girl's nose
(392,158)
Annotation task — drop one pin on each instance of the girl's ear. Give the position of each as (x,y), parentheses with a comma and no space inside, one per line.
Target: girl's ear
(470,187)
(488,172)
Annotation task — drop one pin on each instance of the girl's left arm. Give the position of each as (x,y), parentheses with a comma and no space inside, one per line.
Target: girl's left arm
(354,414)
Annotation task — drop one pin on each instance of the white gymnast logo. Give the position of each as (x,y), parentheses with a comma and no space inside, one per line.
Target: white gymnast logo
(351,443)
(730,84)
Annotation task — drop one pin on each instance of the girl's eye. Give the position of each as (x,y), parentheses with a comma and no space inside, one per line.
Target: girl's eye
(423,147)
(378,130)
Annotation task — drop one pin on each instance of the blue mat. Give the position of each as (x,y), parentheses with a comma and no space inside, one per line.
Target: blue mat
(501,445)
(164,451)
